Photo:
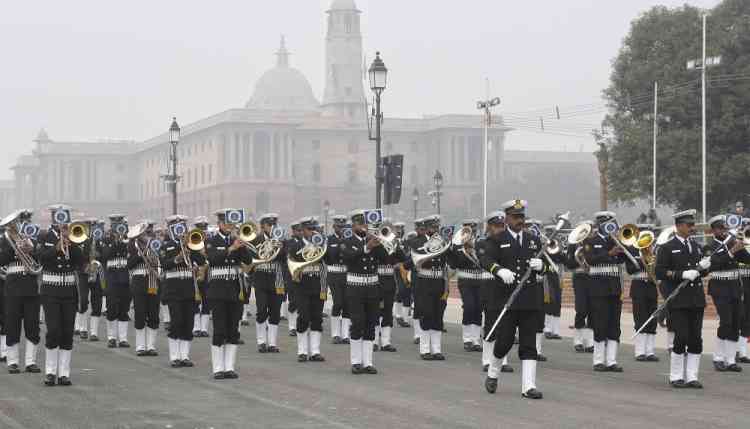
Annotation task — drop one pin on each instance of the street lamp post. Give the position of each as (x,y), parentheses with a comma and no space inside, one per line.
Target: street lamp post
(438,182)
(486,106)
(174,139)
(326,209)
(378,75)
(415,198)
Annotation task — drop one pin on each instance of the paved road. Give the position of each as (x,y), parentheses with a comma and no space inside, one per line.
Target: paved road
(116,389)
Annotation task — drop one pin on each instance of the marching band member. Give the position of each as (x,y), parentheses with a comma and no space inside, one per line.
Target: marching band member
(604,257)
(469,280)
(60,258)
(225,253)
(388,272)
(583,338)
(3,276)
(115,257)
(726,292)
(533,226)
(89,289)
(643,295)
(508,254)
(143,268)
(362,253)
(429,293)
(202,309)
(552,308)
(679,260)
(309,295)
(745,328)
(493,298)
(17,253)
(269,288)
(340,321)
(402,304)
(291,284)
(179,263)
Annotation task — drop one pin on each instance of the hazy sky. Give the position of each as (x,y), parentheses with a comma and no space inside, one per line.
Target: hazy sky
(94,69)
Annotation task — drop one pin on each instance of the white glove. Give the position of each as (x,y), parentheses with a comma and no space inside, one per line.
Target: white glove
(705,263)
(507,276)
(536,264)
(690,275)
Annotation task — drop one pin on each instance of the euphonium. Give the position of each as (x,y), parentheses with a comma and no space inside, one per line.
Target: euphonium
(644,245)
(628,234)
(266,251)
(247,232)
(196,239)
(78,232)
(15,239)
(433,247)
(313,252)
(461,238)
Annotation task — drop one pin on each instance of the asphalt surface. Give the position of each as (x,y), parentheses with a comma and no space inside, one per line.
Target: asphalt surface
(115,389)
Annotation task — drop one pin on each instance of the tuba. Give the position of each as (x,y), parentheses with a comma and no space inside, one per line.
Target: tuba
(644,244)
(432,248)
(461,238)
(311,253)
(577,236)
(628,234)
(15,239)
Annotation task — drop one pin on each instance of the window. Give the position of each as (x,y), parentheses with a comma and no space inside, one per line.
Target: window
(261,151)
(210,172)
(187,182)
(352,146)
(413,174)
(316,144)
(316,173)
(120,191)
(348,23)
(203,174)
(352,172)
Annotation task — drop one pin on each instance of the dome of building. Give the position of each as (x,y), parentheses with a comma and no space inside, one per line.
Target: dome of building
(343,5)
(283,87)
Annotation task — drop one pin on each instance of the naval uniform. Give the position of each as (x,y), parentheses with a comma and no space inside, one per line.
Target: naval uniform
(643,296)
(3,349)
(469,280)
(363,296)
(291,288)
(89,291)
(115,257)
(553,304)
(493,296)
(310,298)
(411,244)
(744,270)
(144,288)
(686,309)
(584,335)
(388,272)
(21,306)
(340,316)
(725,289)
(605,289)
(269,292)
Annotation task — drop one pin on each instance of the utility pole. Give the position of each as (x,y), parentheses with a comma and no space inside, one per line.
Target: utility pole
(656,101)
(486,106)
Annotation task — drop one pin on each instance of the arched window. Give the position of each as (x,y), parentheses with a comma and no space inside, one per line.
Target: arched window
(316,173)
(261,150)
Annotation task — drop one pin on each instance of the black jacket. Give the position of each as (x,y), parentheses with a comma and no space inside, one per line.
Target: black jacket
(178,289)
(220,286)
(671,260)
(113,252)
(357,261)
(596,251)
(722,290)
(21,283)
(55,263)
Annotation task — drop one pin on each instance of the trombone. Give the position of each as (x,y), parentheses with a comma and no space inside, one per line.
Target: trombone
(77,233)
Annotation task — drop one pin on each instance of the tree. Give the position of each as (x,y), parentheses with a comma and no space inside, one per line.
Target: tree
(657,47)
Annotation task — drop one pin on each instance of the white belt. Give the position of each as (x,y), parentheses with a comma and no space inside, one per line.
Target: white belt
(117,263)
(312,270)
(59,279)
(267,267)
(725,275)
(430,274)
(180,274)
(639,276)
(745,272)
(222,273)
(605,270)
(362,279)
(138,271)
(579,271)
(385,270)
(337,268)
(486,275)
(473,274)
(16,268)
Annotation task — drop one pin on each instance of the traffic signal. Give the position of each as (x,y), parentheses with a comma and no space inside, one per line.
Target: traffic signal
(393,166)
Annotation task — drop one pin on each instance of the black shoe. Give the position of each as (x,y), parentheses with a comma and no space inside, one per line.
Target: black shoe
(218,375)
(579,348)
(166,325)
(589,349)
(468,346)
(262,348)
(678,384)
(346,341)
(292,332)
(476,348)
(175,363)
(444,330)
(245,323)
(187,363)
(13,369)
(695,384)
(554,337)
(76,333)
(402,323)
(317,358)
(140,353)
(375,347)
(33,368)
(490,384)
(515,340)
(204,334)
(231,375)
(112,344)
(336,340)
(282,318)
(614,368)
(600,367)
(370,370)
(532,394)
(240,342)
(541,358)
(743,359)
(357,369)
(416,340)
(426,356)
(152,352)
(123,344)
(438,356)
(485,367)
(302,358)
(640,358)
(506,368)
(734,368)
(49,380)
(84,335)
(3,359)
(273,349)
(388,348)
(720,366)
(93,338)
(325,315)
(196,334)
(64,381)
(652,358)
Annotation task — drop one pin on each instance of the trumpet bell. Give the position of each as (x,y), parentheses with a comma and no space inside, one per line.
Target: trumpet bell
(78,233)
(463,236)
(248,231)
(553,247)
(628,234)
(196,240)
(579,233)
(645,239)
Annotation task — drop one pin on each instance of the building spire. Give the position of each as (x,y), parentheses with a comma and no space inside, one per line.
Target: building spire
(282,55)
